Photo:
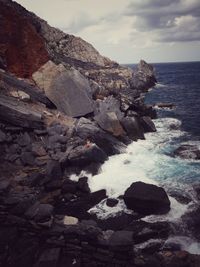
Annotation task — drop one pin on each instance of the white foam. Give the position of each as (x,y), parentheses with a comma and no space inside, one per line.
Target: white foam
(159,85)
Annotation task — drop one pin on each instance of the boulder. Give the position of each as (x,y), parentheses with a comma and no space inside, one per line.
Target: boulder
(188,152)
(66,88)
(40,212)
(87,154)
(89,130)
(133,128)
(146,199)
(108,114)
(53,169)
(148,124)
(121,239)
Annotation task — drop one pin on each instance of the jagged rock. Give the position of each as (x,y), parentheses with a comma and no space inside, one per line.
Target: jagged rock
(67,89)
(121,239)
(83,184)
(146,199)
(22,49)
(133,127)
(188,152)
(20,114)
(2,137)
(53,169)
(88,130)
(148,124)
(40,212)
(144,77)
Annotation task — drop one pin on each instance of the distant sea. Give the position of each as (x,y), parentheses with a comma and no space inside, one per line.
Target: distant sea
(152,160)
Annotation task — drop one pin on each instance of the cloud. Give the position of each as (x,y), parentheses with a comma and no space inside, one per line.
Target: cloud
(170,20)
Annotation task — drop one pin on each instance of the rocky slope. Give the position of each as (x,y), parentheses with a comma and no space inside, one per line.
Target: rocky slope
(64,108)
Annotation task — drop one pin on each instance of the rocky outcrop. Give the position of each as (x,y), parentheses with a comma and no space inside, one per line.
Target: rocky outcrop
(22,49)
(67,89)
(188,151)
(146,199)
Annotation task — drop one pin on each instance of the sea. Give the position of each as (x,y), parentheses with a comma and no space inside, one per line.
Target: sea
(152,160)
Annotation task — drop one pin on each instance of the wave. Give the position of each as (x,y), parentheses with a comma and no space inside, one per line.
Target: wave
(159,85)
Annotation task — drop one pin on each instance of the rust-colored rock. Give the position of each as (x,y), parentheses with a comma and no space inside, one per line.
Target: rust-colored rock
(22,49)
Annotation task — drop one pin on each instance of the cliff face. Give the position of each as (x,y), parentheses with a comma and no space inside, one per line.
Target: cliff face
(22,49)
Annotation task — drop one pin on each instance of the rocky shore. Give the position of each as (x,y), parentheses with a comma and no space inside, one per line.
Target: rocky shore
(65,109)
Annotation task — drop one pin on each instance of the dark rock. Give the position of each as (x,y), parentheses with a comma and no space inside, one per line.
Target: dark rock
(83,185)
(53,170)
(133,128)
(121,239)
(28,158)
(4,186)
(148,124)
(88,130)
(165,105)
(69,186)
(188,152)
(84,155)
(147,199)
(2,137)
(112,202)
(24,139)
(50,257)
(40,212)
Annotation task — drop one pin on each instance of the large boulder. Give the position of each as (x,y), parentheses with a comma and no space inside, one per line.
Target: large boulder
(108,114)
(66,88)
(146,199)
(133,127)
(89,130)
(188,152)
(144,77)
(148,124)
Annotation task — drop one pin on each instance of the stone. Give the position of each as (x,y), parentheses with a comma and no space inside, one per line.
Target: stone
(89,130)
(112,202)
(84,155)
(165,105)
(69,220)
(4,186)
(121,239)
(67,89)
(188,151)
(40,212)
(83,184)
(49,257)
(148,124)
(53,169)
(133,128)
(2,137)
(28,158)
(146,199)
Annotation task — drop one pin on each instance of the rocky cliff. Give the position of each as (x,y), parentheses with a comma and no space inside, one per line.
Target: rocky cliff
(65,109)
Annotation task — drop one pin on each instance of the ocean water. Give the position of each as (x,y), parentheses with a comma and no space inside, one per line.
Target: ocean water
(152,160)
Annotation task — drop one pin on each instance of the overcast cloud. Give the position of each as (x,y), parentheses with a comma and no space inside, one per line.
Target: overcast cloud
(156,30)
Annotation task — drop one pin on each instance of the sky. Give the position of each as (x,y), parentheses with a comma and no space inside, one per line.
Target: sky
(128,30)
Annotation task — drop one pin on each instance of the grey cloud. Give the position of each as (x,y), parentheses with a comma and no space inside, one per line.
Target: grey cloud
(161,16)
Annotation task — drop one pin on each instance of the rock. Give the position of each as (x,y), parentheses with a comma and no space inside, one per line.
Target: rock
(148,124)
(88,130)
(121,239)
(112,202)
(108,114)
(84,155)
(53,169)
(40,212)
(143,77)
(2,137)
(26,51)
(28,158)
(67,89)
(83,185)
(69,220)
(165,105)
(4,186)
(146,199)
(69,186)
(50,257)
(133,128)
(188,152)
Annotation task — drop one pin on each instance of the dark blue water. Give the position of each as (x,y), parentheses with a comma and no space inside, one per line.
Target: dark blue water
(180,85)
